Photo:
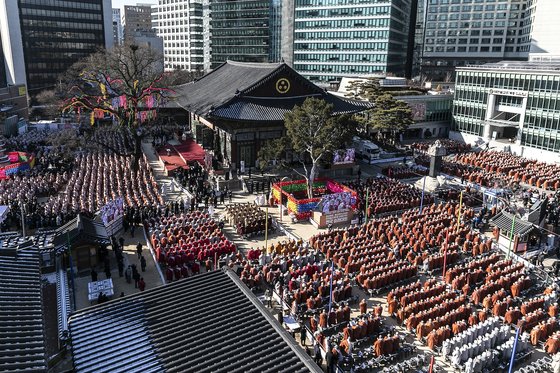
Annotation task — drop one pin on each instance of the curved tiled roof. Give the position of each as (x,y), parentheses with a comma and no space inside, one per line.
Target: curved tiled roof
(221,84)
(237,91)
(206,323)
(255,109)
(22,341)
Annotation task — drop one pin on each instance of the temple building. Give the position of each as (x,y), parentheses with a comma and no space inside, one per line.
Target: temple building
(238,106)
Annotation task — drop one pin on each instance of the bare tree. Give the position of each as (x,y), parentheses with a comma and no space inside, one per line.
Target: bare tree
(125,84)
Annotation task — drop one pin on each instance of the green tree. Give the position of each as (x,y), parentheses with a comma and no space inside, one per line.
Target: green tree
(367,89)
(390,115)
(126,82)
(312,134)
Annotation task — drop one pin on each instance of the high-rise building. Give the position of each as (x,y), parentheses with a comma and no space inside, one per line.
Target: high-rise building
(136,20)
(545,43)
(513,104)
(418,37)
(3,79)
(331,39)
(117,27)
(185,29)
(463,32)
(245,31)
(41,39)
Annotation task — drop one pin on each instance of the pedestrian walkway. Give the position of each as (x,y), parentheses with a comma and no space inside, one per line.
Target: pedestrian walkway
(120,285)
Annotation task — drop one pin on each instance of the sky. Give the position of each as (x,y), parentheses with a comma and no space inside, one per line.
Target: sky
(121,3)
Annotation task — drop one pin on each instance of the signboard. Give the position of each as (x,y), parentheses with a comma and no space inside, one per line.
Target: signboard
(336,217)
(336,202)
(344,156)
(22,91)
(418,111)
(507,92)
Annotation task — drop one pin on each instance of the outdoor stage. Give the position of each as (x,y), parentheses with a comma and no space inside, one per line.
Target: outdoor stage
(178,154)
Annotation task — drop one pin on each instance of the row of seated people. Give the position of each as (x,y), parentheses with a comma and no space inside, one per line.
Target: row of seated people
(468,173)
(467,336)
(509,281)
(552,344)
(362,327)
(521,169)
(437,336)
(356,249)
(524,322)
(404,172)
(182,238)
(100,177)
(306,293)
(490,359)
(425,304)
(445,313)
(396,273)
(387,345)
(539,174)
(388,195)
(416,293)
(458,326)
(177,272)
(287,247)
(326,319)
(247,218)
(468,274)
(436,225)
(451,146)
(543,330)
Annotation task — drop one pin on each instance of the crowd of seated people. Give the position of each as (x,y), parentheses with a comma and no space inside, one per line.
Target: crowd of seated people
(382,242)
(405,172)
(451,146)
(387,195)
(181,240)
(248,219)
(519,169)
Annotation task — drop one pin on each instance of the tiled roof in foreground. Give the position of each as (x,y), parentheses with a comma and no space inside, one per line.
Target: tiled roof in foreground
(206,323)
(22,341)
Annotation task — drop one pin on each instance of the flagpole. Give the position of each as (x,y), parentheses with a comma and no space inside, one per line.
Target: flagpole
(511,235)
(266,231)
(422,200)
(513,351)
(330,291)
(460,207)
(367,203)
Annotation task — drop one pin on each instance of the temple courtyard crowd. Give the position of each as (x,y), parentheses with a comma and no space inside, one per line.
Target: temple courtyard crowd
(366,296)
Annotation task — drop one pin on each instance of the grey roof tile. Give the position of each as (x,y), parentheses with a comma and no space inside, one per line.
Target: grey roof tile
(206,323)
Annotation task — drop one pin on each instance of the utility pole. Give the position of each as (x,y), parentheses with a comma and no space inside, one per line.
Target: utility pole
(22,213)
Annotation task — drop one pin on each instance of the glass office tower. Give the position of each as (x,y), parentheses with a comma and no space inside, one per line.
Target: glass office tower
(245,31)
(55,34)
(340,38)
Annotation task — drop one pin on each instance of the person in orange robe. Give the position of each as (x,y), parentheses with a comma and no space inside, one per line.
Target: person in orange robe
(363,307)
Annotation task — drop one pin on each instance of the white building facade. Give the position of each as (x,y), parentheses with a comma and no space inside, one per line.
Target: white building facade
(185,29)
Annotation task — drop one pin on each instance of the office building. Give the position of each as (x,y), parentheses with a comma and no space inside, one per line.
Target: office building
(465,32)
(136,20)
(14,111)
(245,31)
(41,39)
(512,104)
(3,79)
(117,27)
(185,28)
(331,39)
(545,43)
